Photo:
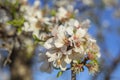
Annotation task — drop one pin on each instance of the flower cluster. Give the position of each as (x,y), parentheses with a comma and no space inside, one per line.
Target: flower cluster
(70,42)
(32,16)
(34,20)
(66,39)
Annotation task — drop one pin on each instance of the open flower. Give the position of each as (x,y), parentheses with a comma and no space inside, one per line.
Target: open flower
(93,68)
(58,56)
(62,37)
(61,13)
(70,42)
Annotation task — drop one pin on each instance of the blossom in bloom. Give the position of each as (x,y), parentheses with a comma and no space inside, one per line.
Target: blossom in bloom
(34,21)
(76,67)
(93,68)
(61,13)
(56,55)
(32,18)
(70,42)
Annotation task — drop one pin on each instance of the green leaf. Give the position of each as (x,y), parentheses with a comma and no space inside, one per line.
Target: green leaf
(19,30)
(79,61)
(17,22)
(36,38)
(94,62)
(59,74)
(16,3)
(53,12)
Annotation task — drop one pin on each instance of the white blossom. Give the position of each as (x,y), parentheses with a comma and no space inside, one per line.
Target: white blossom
(62,13)
(68,40)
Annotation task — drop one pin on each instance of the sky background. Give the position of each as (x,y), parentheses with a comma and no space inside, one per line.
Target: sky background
(111,33)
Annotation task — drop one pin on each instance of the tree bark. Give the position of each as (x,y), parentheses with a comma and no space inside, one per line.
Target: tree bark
(73,75)
(20,67)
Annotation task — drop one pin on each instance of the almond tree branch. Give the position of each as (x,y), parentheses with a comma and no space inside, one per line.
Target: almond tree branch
(73,74)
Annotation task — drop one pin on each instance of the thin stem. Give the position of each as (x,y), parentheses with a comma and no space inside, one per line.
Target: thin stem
(73,75)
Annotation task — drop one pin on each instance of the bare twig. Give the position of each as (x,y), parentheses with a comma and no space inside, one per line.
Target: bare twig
(73,74)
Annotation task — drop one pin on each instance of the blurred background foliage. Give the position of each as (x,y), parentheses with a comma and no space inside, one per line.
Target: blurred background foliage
(19,56)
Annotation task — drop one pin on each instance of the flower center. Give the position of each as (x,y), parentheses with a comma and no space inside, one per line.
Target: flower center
(66,41)
(58,62)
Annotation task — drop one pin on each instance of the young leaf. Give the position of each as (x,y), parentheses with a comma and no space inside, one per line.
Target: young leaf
(53,12)
(59,73)
(36,38)
(17,22)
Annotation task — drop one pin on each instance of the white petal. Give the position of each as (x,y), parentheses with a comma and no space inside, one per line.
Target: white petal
(36,33)
(33,19)
(76,23)
(67,60)
(81,32)
(69,52)
(70,30)
(38,14)
(36,3)
(62,68)
(55,65)
(26,26)
(58,43)
(50,59)
(61,13)
(54,31)
(59,55)
(63,49)
(77,50)
(82,48)
(85,24)
(61,31)
(74,61)
(62,10)
(71,22)
(98,55)
(63,65)
(49,43)
(92,40)
(47,21)
(48,54)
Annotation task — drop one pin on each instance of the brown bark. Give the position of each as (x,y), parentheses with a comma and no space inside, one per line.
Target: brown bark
(20,66)
(73,75)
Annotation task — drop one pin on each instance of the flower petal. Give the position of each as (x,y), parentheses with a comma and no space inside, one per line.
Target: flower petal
(63,66)
(69,30)
(49,43)
(81,32)
(58,43)
(68,60)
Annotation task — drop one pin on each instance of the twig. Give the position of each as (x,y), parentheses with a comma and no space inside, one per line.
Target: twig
(73,74)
